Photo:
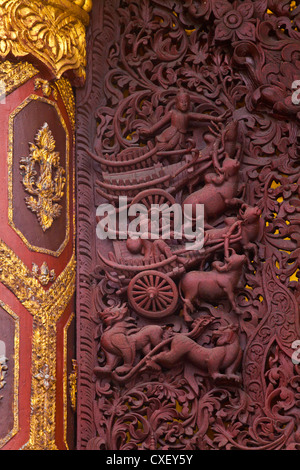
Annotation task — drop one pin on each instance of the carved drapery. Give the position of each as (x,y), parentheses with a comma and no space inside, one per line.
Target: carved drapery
(214,368)
(43,52)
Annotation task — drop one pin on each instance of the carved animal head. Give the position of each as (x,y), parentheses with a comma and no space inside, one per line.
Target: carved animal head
(232,263)
(112,315)
(249,214)
(225,335)
(230,167)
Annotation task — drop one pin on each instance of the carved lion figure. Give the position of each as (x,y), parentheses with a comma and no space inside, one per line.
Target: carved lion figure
(220,362)
(122,339)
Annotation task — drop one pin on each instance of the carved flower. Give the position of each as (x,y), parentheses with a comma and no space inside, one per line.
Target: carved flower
(234,21)
(45,377)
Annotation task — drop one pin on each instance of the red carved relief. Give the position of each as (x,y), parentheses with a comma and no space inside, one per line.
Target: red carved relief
(190,103)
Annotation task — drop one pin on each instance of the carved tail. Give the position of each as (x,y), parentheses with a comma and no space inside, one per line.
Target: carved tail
(199,326)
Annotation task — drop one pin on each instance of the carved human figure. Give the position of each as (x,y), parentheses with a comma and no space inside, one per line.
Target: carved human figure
(150,249)
(178,122)
(144,245)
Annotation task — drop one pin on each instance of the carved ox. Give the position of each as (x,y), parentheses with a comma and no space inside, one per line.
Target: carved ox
(219,192)
(249,225)
(213,285)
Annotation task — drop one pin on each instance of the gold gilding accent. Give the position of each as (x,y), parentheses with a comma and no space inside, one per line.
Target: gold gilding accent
(46,86)
(43,274)
(84,4)
(45,184)
(69,383)
(14,75)
(73,384)
(66,92)
(53,31)
(46,306)
(10,176)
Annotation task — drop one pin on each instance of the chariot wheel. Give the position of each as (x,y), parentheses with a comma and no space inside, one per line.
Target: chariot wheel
(158,204)
(153,294)
(153,196)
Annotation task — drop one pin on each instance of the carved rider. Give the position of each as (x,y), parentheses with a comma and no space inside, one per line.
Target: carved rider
(179,118)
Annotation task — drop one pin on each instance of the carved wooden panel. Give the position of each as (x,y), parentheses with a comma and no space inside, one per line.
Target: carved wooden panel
(39,168)
(190,102)
(37,259)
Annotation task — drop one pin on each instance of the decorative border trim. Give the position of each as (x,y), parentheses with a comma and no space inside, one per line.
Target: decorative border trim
(15,75)
(46,307)
(65,377)
(10,178)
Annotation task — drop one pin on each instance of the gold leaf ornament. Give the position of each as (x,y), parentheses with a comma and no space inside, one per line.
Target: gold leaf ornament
(43,178)
(52,31)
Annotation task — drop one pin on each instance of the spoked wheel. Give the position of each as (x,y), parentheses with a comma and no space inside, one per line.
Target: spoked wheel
(153,294)
(158,204)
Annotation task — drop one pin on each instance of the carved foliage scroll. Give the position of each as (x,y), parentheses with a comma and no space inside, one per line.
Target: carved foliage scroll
(191,103)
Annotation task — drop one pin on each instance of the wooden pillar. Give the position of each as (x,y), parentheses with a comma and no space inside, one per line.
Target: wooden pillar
(42,51)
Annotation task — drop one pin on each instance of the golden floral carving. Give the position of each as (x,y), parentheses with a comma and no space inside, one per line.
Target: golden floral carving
(52,31)
(47,188)
(11,366)
(10,174)
(43,274)
(46,86)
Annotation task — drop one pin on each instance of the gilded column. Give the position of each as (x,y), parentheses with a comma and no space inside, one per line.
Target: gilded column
(43,56)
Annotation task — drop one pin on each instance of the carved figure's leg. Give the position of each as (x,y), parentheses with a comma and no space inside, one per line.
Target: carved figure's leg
(187,309)
(127,351)
(231,370)
(230,294)
(168,359)
(111,362)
